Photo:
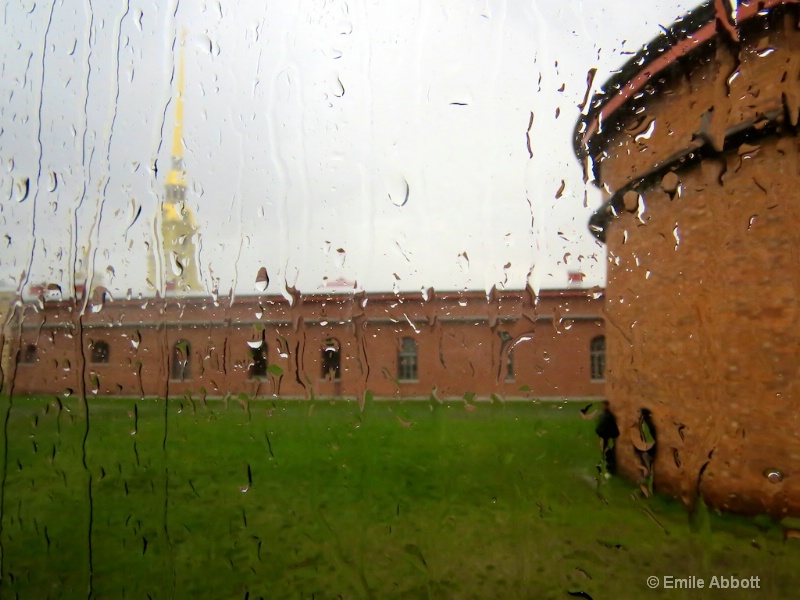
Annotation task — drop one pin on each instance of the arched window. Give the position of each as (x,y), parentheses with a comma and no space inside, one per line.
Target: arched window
(597,357)
(258,358)
(100,352)
(331,360)
(180,367)
(509,351)
(30,355)
(407,360)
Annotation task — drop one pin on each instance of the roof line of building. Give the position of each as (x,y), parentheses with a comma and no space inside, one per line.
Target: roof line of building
(687,35)
(288,322)
(400,298)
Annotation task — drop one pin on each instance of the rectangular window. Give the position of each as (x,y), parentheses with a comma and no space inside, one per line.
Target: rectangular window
(407,360)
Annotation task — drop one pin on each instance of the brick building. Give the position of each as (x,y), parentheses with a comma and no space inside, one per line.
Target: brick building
(696,142)
(339,345)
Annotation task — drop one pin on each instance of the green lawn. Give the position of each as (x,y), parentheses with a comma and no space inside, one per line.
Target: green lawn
(322,500)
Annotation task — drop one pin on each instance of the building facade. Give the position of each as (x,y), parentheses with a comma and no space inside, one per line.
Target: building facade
(449,345)
(696,142)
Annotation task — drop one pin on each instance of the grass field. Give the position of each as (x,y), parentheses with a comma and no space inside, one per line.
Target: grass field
(322,500)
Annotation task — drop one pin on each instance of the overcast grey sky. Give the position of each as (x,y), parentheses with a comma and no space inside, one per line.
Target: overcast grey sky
(306,123)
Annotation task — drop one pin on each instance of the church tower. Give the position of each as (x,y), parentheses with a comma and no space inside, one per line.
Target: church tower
(178,232)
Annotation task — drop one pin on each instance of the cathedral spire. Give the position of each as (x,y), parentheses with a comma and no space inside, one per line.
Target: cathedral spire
(176,175)
(178,248)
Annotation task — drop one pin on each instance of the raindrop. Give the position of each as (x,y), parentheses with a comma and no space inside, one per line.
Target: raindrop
(53,184)
(399,196)
(528,136)
(177,267)
(463,262)
(23,189)
(751,222)
(670,182)
(630,200)
(135,212)
(256,344)
(341,256)
(54,291)
(262,280)
(647,133)
(773,475)
(204,43)
(339,88)
(765,52)
(589,81)
(677,237)
(561,188)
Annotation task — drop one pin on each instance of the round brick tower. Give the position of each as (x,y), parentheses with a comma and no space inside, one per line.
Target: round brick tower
(696,144)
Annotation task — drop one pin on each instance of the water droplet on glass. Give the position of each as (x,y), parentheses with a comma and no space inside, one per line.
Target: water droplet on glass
(463,262)
(647,132)
(399,192)
(177,267)
(338,88)
(262,280)
(341,256)
(53,183)
(204,43)
(631,201)
(23,188)
(773,475)
(256,344)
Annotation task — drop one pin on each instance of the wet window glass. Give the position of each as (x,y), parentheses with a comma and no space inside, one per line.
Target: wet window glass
(456,299)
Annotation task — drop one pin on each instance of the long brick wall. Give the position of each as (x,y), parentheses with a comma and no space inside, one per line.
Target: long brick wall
(461,342)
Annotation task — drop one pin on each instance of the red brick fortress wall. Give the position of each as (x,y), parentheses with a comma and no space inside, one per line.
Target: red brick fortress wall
(702,164)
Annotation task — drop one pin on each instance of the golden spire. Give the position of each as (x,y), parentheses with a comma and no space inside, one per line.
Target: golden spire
(176,175)
(177,245)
